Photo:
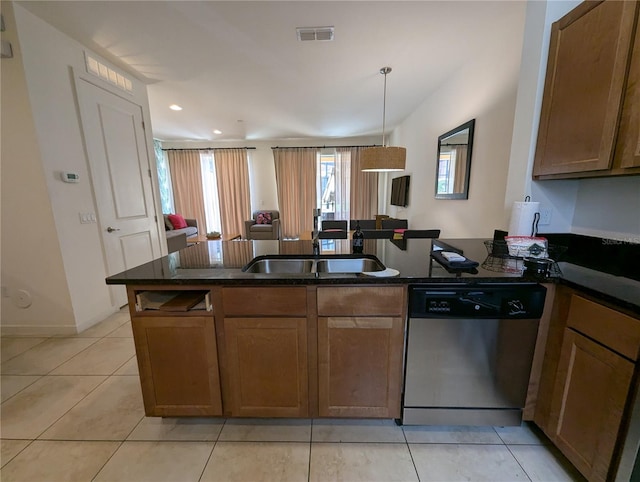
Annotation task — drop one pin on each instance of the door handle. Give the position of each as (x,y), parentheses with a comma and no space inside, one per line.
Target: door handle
(111,230)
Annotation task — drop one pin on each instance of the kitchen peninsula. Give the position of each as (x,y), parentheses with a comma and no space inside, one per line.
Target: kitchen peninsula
(236,343)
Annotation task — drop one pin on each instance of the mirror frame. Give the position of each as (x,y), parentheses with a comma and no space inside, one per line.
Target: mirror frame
(465,193)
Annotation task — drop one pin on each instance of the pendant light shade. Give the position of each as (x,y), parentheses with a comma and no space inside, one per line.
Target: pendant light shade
(384,158)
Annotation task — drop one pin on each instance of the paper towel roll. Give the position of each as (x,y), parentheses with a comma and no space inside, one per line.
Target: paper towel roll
(522,218)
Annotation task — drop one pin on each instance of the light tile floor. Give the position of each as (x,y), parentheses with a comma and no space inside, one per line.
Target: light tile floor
(72,411)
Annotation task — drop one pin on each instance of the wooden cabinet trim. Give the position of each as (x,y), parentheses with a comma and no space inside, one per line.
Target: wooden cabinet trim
(362,301)
(613,329)
(358,322)
(264,301)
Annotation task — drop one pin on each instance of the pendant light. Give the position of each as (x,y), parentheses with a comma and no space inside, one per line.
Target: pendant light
(384,158)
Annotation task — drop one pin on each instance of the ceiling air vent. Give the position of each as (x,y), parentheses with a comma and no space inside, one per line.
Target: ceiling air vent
(314,33)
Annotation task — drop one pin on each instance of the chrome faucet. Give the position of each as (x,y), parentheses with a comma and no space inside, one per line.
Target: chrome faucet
(317,213)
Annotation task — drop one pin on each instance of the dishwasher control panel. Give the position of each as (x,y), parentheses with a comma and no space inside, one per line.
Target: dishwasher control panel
(491,301)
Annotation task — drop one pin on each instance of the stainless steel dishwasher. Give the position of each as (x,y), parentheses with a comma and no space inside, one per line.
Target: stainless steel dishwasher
(469,352)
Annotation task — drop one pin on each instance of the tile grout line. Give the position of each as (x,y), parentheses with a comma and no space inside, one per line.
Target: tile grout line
(410,453)
(19,452)
(18,354)
(74,405)
(519,464)
(107,461)
(310,449)
(215,443)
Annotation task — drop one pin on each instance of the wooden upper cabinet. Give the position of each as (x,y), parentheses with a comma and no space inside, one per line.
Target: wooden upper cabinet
(627,155)
(586,73)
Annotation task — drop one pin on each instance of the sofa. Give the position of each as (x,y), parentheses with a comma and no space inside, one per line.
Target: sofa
(177,238)
(264,224)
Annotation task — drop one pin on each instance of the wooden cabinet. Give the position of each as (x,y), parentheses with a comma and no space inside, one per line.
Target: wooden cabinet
(272,351)
(178,364)
(627,154)
(589,56)
(595,368)
(265,333)
(360,347)
(588,403)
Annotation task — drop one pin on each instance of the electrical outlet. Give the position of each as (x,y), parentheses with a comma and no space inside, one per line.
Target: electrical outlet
(545,216)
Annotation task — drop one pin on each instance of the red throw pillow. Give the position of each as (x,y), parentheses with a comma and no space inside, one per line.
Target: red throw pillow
(177,221)
(263,218)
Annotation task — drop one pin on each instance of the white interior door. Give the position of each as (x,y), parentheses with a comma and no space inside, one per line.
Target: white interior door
(120,172)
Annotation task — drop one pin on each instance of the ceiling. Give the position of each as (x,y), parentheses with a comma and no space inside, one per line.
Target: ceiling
(237,66)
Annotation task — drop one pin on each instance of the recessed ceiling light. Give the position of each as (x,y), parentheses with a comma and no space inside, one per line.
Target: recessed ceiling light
(217,131)
(175,107)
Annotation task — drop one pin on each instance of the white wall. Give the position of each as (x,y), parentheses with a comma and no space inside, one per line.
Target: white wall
(262,174)
(48,57)
(31,256)
(484,89)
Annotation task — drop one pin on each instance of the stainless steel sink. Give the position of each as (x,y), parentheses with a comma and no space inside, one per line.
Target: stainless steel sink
(323,264)
(280,266)
(348,265)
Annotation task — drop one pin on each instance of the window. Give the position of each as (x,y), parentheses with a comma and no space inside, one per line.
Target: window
(210,193)
(164,179)
(333,184)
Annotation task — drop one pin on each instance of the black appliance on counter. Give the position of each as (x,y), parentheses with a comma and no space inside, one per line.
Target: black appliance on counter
(469,352)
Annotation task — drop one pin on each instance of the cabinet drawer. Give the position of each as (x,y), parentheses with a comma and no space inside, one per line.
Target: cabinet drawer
(613,329)
(361,301)
(280,301)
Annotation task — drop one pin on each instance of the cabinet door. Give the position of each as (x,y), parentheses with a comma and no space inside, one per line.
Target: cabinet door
(628,145)
(268,368)
(360,366)
(178,363)
(588,59)
(588,403)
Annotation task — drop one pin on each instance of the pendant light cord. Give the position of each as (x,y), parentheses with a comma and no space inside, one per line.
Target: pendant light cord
(384,71)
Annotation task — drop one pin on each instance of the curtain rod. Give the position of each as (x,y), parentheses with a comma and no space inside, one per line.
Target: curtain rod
(208,148)
(322,147)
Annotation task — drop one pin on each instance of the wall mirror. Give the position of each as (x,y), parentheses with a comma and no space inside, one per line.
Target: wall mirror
(453,165)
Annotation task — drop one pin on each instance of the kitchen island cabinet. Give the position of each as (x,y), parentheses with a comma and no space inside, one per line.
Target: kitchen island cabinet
(265,332)
(360,347)
(584,94)
(177,360)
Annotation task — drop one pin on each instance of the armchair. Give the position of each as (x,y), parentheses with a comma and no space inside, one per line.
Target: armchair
(263,226)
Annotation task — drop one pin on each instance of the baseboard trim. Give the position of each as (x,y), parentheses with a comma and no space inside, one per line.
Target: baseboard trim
(38,330)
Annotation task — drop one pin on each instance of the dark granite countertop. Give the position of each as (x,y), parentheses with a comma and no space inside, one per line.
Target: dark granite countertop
(221,262)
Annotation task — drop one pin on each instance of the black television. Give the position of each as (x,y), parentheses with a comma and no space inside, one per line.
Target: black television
(400,191)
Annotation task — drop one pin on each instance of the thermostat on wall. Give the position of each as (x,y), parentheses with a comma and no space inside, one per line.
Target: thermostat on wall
(70,177)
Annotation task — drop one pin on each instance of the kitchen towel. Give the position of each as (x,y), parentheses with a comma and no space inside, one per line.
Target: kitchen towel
(522,216)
